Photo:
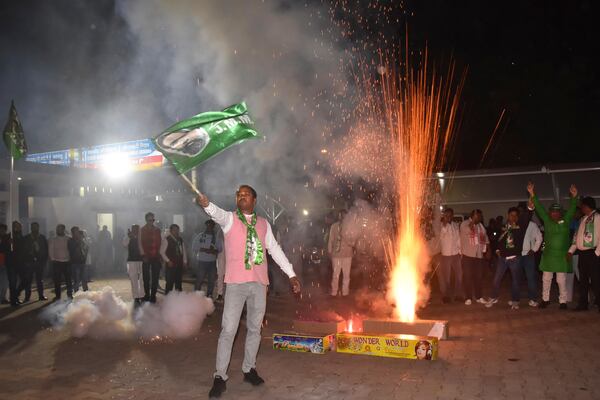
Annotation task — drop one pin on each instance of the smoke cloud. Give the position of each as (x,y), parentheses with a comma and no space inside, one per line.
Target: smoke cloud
(103,315)
(179,315)
(271,54)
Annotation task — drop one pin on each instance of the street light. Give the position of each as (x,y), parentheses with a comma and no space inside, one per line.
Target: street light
(116,165)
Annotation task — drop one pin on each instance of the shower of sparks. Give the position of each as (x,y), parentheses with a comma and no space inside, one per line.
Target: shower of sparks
(419,108)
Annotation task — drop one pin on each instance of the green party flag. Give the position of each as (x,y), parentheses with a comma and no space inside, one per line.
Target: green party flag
(193,141)
(14,138)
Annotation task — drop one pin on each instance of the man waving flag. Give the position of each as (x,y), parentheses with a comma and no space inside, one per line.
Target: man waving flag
(190,142)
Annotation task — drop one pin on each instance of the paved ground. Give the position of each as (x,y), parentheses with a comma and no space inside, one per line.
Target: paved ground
(493,354)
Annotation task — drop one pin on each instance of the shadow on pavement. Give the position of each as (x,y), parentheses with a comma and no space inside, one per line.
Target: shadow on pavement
(21,328)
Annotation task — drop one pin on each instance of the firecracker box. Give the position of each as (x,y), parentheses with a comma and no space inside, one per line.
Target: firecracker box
(316,344)
(388,345)
(420,327)
(319,327)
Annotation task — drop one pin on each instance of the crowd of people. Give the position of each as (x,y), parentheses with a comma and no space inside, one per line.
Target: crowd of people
(23,258)
(67,260)
(568,246)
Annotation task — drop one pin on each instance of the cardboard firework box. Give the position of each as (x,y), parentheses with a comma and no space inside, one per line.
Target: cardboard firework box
(388,345)
(316,344)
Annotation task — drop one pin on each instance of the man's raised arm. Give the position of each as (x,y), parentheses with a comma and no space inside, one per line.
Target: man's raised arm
(220,216)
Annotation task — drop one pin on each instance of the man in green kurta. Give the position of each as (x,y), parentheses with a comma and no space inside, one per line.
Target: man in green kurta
(555,258)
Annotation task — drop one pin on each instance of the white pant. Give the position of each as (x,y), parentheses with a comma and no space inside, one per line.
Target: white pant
(571,278)
(561,279)
(220,273)
(254,295)
(134,269)
(343,265)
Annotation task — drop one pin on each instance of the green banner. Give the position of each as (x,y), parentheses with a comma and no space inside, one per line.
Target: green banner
(14,138)
(193,141)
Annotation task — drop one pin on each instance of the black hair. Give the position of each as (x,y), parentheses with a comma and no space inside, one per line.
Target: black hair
(148,214)
(589,201)
(74,229)
(513,209)
(476,211)
(4,226)
(173,226)
(250,188)
(35,223)
(449,209)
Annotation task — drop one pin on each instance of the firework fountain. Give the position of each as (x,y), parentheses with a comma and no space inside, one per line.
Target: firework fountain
(419,108)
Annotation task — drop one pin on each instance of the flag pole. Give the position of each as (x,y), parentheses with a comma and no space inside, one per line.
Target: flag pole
(10,193)
(190,184)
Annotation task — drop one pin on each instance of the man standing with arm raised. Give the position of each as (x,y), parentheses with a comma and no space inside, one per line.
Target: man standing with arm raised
(246,239)
(555,258)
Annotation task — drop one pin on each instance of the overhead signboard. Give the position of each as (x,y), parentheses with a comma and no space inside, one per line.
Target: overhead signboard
(140,154)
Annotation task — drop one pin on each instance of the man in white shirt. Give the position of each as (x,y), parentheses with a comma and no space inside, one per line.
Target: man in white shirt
(247,236)
(450,258)
(531,245)
(586,243)
(341,250)
(474,245)
(58,252)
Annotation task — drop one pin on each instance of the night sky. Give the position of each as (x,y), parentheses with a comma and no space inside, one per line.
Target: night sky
(538,60)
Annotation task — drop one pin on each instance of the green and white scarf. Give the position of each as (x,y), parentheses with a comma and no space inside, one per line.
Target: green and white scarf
(254,248)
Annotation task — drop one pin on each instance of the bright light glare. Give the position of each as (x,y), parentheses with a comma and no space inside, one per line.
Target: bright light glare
(116,165)
(305,212)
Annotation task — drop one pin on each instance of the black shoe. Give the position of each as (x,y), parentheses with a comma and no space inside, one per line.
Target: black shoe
(146,298)
(563,306)
(446,300)
(26,300)
(219,386)
(43,298)
(56,298)
(153,299)
(253,378)
(581,307)
(544,304)
(15,303)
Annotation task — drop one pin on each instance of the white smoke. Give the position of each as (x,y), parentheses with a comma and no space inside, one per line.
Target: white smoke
(276,55)
(367,226)
(179,315)
(103,315)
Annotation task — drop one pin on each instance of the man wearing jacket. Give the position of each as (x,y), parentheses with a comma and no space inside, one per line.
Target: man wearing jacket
(35,258)
(510,247)
(78,254)
(586,243)
(531,245)
(475,245)
(173,253)
(150,242)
